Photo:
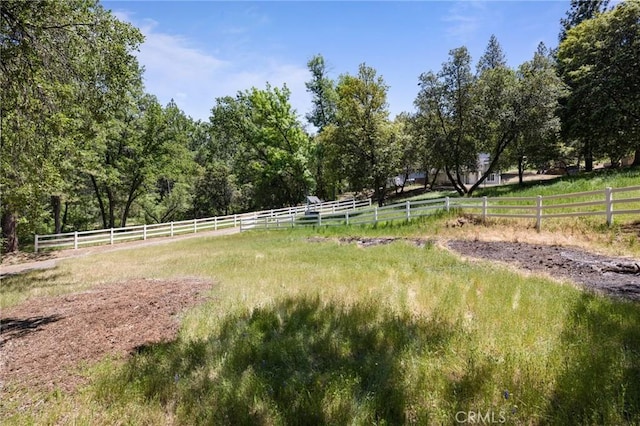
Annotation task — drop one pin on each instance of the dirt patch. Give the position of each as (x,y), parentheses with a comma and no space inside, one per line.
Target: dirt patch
(369,242)
(44,341)
(619,277)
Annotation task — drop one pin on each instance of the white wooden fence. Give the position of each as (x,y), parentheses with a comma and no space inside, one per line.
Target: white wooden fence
(538,208)
(142,232)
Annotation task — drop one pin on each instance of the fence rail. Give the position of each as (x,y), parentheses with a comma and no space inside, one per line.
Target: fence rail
(142,232)
(538,208)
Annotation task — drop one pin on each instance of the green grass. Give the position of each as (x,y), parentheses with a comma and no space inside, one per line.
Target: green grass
(301,332)
(583,182)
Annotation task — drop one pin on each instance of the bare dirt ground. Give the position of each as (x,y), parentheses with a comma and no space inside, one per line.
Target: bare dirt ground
(618,277)
(612,276)
(45,340)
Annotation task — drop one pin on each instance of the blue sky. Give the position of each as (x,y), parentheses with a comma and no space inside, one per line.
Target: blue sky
(196,51)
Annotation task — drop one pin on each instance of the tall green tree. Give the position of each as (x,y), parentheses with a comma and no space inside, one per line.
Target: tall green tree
(541,88)
(445,116)
(364,139)
(579,11)
(260,134)
(324,96)
(47,50)
(577,104)
(599,59)
(323,113)
(498,110)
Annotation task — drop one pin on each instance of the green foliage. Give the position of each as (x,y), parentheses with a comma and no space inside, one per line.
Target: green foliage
(324,94)
(497,112)
(49,50)
(598,59)
(364,141)
(445,106)
(537,143)
(259,135)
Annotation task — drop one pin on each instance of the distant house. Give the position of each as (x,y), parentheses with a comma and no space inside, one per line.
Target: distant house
(470,177)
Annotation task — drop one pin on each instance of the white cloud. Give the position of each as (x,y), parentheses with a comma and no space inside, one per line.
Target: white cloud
(464,19)
(194,78)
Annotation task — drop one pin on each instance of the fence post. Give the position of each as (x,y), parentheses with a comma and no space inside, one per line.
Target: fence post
(75,240)
(408,210)
(215,223)
(235,221)
(539,213)
(375,214)
(111,236)
(608,196)
(370,202)
(35,243)
(171,228)
(347,217)
(484,209)
(195,225)
(446,203)
(319,220)
(354,203)
(144,231)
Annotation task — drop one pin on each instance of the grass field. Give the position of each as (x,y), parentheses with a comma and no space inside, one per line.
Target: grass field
(328,333)
(307,332)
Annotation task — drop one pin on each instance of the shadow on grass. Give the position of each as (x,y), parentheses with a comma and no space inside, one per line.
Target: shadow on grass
(15,328)
(26,281)
(299,362)
(599,382)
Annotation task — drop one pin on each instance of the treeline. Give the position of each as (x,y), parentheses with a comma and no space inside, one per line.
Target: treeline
(84,146)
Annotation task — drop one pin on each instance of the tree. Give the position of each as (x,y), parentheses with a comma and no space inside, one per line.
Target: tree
(444,116)
(577,104)
(259,133)
(599,60)
(363,138)
(323,114)
(580,10)
(172,195)
(325,98)
(497,108)
(540,90)
(47,48)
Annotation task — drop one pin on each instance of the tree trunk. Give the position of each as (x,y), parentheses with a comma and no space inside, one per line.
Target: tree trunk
(636,158)
(10,231)
(64,216)
(112,208)
(103,212)
(520,171)
(56,207)
(433,181)
(453,181)
(588,160)
(379,193)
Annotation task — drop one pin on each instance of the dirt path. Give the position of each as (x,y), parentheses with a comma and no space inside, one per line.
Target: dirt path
(618,277)
(25,262)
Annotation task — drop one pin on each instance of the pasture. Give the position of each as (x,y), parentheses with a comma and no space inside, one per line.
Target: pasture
(298,326)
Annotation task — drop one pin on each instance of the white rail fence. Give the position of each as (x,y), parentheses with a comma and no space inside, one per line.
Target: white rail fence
(536,208)
(143,232)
